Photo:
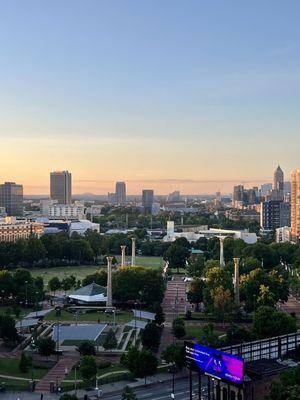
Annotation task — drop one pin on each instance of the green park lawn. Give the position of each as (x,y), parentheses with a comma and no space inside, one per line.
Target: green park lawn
(10,367)
(102,371)
(80,272)
(196,330)
(121,317)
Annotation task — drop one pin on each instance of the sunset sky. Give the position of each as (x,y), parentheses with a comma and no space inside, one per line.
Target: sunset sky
(190,95)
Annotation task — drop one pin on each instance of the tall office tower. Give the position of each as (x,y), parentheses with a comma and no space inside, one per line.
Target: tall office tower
(147,201)
(120,193)
(238,193)
(278,179)
(295,205)
(11,197)
(61,187)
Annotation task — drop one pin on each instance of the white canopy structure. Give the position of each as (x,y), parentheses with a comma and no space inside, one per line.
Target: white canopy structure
(92,293)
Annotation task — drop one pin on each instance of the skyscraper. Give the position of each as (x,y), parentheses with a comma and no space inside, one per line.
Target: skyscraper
(11,197)
(120,193)
(295,205)
(278,179)
(147,200)
(61,187)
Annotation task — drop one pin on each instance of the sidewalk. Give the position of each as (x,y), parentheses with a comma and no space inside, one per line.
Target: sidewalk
(107,388)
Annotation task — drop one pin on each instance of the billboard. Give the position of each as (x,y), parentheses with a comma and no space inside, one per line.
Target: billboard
(214,363)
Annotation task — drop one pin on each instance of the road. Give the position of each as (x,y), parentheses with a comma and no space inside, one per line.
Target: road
(163,391)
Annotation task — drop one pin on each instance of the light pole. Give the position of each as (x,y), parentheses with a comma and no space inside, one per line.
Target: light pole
(135,304)
(26,299)
(36,304)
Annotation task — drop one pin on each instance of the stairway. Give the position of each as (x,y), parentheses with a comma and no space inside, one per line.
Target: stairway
(56,374)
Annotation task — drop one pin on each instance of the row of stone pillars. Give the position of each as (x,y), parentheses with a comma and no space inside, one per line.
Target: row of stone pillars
(123,250)
(109,302)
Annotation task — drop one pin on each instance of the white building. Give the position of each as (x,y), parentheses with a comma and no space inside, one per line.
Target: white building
(193,236)
(45,205)
(283,234)
(81,226)
(67,211)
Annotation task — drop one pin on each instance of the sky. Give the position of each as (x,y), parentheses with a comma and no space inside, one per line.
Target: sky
(191,95)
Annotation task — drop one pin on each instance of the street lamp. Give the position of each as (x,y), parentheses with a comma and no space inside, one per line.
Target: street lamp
(26,299)
(135,304)
(36,304)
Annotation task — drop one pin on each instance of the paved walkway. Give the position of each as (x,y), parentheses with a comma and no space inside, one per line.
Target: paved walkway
(175,289)
(292,305)
(57,373)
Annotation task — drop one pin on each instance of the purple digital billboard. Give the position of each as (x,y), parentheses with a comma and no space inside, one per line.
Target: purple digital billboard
(215,363)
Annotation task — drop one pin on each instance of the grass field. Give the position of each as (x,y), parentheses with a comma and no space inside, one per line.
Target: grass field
(121,317)
(82,271)
(196,330)
(10,366)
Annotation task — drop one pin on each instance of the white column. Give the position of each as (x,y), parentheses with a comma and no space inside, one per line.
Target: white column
(236,281)
(109,283)
(133,252)
(222,261)
(123,248)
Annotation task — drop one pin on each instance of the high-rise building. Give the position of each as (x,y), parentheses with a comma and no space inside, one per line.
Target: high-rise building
(147,200)
(174,196)
(120,193)
(11,197)
(278,179)
(275,214)
(295,205)
(242,196)
(238,193)
(61,187)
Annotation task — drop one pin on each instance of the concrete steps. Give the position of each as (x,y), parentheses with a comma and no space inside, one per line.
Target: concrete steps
(56,374)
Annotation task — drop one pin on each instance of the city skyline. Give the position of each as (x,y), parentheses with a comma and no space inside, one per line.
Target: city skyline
(160,187)
(172,95)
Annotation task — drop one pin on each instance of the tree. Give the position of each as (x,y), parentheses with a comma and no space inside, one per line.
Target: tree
(159,315)
(35,250)
(88,368)
(140,363)
(195,266)
(215,277)
(128,394)
(175,354)
(287,387)
(222,302)
(25,362)
(237,334)
(54,284)
(46,346)
(110,341)
(68,282)
(209,336)
(8,330)
(177,256)
(195,292)
(148,364)
(265,297)
(269,322)
(178,328)
(151,336)
(86,348)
